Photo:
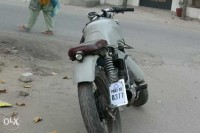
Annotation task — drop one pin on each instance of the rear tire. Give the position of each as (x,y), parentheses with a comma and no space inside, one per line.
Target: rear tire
(141,97)
(91,112)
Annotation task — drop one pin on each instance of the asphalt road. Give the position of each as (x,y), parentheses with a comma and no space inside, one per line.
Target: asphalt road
(169,54)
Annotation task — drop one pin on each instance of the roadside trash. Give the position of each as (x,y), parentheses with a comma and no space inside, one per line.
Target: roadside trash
(53,132)
(7,51)
(20,104)
(26,77)
(15,51)
(14,114)
(2,81)
(23,93)
(4,104)
(3,91)
(53,73)
(159,102)
(66,77)
(16,66)
(27,86)
(37,119)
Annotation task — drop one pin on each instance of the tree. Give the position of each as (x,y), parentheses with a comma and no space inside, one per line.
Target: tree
(185,4)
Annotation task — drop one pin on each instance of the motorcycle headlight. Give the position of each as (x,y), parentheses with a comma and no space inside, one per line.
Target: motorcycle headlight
(79,56)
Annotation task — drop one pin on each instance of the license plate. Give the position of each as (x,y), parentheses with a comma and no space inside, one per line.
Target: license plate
(118,95)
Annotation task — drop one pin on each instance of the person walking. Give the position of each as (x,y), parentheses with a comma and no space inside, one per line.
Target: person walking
(49,8)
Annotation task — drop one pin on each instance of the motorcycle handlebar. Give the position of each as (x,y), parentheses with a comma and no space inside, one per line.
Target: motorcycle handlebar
(118,10)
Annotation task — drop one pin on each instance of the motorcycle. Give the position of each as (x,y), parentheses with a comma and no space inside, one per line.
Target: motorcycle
(107,77)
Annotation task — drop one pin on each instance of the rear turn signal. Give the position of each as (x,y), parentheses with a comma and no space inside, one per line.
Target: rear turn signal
(79,55)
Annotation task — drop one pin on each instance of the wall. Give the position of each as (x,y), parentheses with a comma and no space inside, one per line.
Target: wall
(102,1)
(86,3)
(119,2)
(193,12)
(135,2)
(114,2)
(175,4)
(130,2)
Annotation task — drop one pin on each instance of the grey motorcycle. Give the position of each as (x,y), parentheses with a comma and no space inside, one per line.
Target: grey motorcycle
(107,77)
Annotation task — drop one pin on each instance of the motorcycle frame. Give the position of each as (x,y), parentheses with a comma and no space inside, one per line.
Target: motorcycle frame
(85,71)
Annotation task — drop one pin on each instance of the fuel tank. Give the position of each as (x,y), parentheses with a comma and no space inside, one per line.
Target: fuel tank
(107,29)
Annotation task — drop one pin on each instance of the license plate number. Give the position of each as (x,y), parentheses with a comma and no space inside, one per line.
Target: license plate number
(118,95)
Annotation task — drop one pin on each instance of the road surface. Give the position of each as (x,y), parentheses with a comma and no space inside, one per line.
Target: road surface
(166,48)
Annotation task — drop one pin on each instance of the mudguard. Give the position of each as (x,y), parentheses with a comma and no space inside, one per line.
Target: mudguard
(85,71)
(132,66)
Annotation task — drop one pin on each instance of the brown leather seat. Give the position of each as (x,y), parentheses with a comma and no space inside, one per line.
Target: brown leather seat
(87,49)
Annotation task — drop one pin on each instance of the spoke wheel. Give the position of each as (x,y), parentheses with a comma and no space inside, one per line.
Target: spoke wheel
(94,101)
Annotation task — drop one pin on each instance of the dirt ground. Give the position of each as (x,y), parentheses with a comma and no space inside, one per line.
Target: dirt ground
(54,98)
(48,88)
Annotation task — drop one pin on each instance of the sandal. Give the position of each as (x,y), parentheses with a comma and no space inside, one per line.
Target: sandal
(47,32)
(23,28)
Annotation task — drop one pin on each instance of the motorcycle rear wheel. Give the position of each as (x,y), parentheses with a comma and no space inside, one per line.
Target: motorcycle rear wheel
(142,97)
(91,112)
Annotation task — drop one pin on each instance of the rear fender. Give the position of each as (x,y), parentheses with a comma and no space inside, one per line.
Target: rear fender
(85,71)
(133,67)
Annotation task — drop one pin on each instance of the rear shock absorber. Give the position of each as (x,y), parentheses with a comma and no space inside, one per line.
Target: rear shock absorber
(110,70)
